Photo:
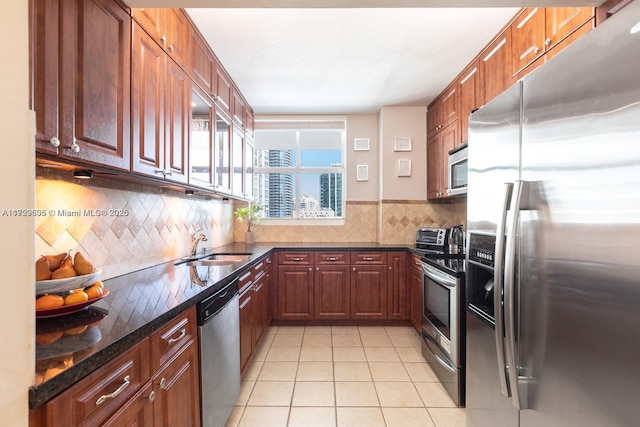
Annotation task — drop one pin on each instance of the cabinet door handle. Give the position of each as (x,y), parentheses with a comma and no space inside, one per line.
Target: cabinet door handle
(163,382)
(183,333)
(354,269)
(168,173)
(54,141)
(536,50)
(389,268)
(268,260)
(317,268)
(152,396)
(105,397)
(163,39)
(171,48)
(547,41)
(75,148)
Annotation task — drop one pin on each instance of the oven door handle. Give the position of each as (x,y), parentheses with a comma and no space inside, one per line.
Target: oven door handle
(430,343)
(438,276)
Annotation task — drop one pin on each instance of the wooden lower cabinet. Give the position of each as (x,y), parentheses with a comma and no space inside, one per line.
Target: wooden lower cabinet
(398,289)
(415,286)
(295,293)
(255,310)
(332,292)
(246,329)
(138,411)
(369,292)
(127,391)
(177,390)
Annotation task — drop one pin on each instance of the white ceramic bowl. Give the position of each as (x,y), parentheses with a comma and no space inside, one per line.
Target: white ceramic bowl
(55,286)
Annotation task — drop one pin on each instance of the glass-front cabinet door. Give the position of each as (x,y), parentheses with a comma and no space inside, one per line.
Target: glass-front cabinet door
(222,154)
(248,169)
(237,159)
(201,146)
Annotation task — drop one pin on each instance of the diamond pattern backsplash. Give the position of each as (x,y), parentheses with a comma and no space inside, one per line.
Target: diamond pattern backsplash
(123,227)
(399,219)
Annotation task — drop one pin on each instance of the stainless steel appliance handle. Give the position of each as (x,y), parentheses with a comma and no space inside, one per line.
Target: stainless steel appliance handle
(509,294)
(497,291)
(429,342)
(438,276)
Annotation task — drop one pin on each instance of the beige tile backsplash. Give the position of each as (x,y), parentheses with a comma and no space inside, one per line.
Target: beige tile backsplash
(154,224)
(144,225)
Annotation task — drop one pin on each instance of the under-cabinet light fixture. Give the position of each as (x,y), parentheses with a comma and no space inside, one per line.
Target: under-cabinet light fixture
(83,174)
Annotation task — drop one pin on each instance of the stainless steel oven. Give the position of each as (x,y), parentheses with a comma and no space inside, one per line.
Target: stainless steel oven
(443,322)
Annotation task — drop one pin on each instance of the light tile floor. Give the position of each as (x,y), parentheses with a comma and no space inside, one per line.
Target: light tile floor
(342,376)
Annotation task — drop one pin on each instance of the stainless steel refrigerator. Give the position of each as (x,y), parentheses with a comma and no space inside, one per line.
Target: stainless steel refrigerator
(553,245)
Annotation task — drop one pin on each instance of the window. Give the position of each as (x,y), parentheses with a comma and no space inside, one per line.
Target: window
(299,172)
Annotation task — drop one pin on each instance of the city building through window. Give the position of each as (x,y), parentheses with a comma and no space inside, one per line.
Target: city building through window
(299,168)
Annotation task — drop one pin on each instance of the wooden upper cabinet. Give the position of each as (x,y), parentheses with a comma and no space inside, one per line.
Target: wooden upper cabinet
(160,104)
(249,125)
(238,108)
(168,27)
(495,66)
(201,62)
(147,104)
(177,115)
(224,88)
(469,96)
(437,160)
(538,30)
(82,86)
(562,21)
(443,110)
(177,29)
(528,38)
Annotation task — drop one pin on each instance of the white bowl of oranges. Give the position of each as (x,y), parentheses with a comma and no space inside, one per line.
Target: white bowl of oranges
(66,284)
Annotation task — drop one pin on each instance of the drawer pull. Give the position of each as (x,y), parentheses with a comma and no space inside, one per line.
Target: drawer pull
(332,259)
(369,258)
(183,333)
(105,397)
(297,259)
(245,276)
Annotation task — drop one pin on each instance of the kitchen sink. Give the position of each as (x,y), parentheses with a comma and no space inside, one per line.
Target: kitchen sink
(222,259)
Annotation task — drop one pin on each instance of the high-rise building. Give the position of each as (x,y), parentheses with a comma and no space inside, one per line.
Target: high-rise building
(281,194)
(331,192)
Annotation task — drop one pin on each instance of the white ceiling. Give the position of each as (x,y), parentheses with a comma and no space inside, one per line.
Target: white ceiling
(315,61)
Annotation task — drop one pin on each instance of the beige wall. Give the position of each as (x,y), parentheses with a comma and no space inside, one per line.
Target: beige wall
(403,122)
(386,209)
(17,327)
(362,126)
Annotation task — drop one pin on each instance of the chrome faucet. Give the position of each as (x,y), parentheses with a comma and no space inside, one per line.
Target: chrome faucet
(195,239)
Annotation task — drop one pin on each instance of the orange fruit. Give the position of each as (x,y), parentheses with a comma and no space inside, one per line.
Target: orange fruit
(75,298)
(98,283)
(48,338)
(94,291)
(49,301)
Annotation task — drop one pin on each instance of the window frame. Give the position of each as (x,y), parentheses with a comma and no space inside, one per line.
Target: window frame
(301,124)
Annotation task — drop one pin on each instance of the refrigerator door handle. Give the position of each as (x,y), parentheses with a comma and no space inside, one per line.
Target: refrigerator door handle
(498,289)
(509,292)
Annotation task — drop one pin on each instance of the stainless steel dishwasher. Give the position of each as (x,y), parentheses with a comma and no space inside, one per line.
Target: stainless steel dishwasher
(219,335)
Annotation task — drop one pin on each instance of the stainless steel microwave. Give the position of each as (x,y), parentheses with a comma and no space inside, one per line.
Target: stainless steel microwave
(458,164)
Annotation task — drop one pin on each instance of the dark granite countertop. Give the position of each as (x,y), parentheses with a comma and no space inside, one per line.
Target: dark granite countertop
(138,303)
